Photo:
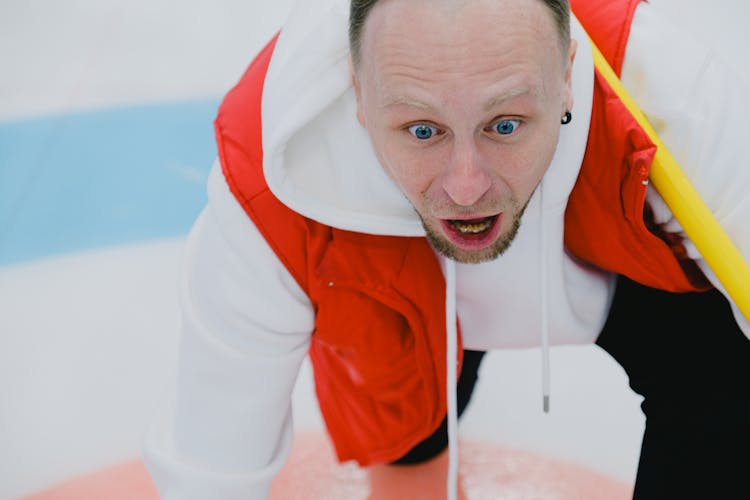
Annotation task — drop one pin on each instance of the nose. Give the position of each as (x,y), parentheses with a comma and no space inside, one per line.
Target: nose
(466,181)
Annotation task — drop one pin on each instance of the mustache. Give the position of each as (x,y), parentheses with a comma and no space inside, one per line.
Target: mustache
(485,207)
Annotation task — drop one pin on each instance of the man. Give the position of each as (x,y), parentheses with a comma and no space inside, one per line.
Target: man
(456,154)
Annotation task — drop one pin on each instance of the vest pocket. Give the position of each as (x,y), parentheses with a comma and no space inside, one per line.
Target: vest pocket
(375,392)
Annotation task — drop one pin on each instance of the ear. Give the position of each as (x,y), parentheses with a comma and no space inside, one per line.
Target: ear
(357,93)
(568,99)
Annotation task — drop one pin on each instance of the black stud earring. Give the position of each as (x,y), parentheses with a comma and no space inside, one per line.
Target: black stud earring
(567,118)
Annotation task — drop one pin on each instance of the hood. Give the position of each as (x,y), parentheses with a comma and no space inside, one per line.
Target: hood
(318,159)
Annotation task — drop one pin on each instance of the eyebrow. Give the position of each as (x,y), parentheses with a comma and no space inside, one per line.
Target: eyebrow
(404,100)
(506,96)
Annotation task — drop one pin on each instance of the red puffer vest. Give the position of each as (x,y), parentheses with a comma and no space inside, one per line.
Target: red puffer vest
(378,348)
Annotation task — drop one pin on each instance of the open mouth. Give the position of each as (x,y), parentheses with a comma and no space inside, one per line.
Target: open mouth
(472,233)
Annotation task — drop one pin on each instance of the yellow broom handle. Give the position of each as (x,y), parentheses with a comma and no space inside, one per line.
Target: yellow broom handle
(687,206)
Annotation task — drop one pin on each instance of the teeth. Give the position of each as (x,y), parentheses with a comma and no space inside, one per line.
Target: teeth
(471,228)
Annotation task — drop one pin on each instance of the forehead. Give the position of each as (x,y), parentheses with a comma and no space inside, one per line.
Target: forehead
(459,41)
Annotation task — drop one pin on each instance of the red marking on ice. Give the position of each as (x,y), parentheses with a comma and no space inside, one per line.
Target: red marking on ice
(487,471)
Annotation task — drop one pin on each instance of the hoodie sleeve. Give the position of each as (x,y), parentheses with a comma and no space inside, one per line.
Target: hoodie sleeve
(226,431)
(698,103)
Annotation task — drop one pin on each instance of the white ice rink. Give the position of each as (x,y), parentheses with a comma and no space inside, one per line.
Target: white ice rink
(88,313)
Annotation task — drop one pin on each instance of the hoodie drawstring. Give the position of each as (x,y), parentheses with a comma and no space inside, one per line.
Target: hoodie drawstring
(452,349)
(544,302)
(451,362)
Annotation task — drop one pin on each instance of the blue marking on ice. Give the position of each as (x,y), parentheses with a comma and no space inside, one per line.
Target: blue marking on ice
(87,180)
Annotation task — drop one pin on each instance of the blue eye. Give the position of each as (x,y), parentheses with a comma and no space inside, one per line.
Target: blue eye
(422,131)
(505,127)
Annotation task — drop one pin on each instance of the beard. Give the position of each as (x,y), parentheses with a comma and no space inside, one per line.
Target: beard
(444,247)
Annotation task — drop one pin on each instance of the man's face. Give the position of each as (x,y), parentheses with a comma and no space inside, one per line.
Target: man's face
(462,101)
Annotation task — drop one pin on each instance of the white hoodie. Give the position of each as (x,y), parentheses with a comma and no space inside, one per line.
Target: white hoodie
(246,323)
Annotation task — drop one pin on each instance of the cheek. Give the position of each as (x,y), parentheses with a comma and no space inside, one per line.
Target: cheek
(412,171)
(528,178)
(522,169)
